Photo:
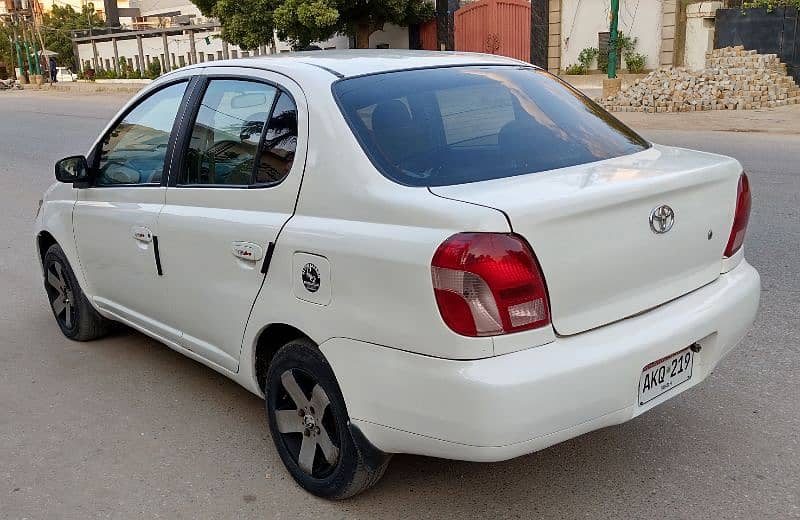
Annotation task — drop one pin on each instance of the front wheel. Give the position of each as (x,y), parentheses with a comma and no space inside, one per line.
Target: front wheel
(74,314)
(311,429)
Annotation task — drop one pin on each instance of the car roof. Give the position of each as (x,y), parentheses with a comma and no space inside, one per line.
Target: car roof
(356,62)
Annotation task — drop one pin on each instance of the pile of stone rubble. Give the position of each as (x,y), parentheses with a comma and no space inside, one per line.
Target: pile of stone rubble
(734,79)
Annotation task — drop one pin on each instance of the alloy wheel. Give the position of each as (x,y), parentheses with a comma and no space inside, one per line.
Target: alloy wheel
(306,423)
(61,295)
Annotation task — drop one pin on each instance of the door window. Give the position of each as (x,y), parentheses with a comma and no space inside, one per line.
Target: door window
(133,152)
(280,142)
(224,141)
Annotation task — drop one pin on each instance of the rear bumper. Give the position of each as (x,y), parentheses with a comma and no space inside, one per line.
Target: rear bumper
(505,406)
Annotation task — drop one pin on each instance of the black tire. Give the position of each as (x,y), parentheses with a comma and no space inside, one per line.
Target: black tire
(357,465)
(74,314)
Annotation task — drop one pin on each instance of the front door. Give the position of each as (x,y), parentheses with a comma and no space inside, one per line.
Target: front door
(116,218)
(233,187)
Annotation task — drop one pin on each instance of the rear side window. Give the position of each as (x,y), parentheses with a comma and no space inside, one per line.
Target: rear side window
(454,125)
(280,142)
(226,134)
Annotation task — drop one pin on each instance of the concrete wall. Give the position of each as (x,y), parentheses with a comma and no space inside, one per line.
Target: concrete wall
(699,33)
(179,48)
(581,20)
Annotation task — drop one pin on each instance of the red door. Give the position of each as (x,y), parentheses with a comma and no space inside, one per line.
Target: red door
(495,27)
(427,36)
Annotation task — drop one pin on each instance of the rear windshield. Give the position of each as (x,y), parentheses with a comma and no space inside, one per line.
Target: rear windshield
(454,125)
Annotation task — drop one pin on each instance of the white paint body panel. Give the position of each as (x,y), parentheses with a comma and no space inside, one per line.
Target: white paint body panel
(426,389)
(506,406)
(588,226)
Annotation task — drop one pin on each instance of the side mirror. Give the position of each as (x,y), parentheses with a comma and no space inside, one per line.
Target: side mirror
(72,169)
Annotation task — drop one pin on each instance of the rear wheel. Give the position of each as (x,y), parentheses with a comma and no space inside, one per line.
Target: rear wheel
(311,428)
(74,314)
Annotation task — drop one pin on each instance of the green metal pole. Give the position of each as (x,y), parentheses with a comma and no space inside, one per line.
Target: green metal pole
(37,63)
(19,57)
(31,71)
(612,40)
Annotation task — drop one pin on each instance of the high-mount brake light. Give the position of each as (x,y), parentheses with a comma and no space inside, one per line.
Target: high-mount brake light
(741,217)
(488,284)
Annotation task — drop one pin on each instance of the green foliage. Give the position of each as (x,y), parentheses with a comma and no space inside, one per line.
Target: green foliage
(154,69)
(56,27)
(575,68)
(770,5)
(250,24)
(625,44)
(586,57)
(246,24)
(6,49)
(635,62)
(306,21)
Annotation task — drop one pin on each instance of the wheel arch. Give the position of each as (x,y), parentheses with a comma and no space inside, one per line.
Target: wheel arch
(268,341)
(43,242)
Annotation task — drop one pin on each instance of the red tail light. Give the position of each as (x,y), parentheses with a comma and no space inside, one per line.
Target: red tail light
(740,218)
(488,284)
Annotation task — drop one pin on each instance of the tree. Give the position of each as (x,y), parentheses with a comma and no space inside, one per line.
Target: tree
(6,49)
(250,24)
(246,24)
(57,26)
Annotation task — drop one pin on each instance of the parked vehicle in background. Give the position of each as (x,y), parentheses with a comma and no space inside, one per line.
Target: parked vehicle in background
(453,255)
(7,84)
(64,74)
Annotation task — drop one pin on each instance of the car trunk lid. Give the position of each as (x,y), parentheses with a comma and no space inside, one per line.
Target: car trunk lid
(589,228)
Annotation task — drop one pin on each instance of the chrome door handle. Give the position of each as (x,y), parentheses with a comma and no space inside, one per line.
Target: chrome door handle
(247,251)
(142,234)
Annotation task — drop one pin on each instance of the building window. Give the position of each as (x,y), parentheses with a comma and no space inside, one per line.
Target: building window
(181,61)
(234,53)
(210,57)
(245,54)
(219,55)
(202,57)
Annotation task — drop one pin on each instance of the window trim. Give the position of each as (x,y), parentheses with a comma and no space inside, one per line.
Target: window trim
(94,158)
(187,126)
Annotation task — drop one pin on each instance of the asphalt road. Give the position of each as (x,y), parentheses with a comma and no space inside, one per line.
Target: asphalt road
(126,428)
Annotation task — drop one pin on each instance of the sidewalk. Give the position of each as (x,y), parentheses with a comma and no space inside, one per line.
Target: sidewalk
(92,87)
(780,120)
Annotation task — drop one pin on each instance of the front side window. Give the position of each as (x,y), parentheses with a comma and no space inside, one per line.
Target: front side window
(134,151)
(227,131)
(454,125)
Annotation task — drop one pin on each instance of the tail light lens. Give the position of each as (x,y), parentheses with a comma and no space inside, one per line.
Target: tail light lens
(740,218)
(488,284)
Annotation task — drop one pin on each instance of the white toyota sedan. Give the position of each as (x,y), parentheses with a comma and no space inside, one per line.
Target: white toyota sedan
(453,255)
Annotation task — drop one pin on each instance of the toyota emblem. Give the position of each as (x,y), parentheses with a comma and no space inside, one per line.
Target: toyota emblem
(661,219)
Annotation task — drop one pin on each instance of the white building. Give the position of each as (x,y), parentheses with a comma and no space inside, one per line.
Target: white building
(189,37)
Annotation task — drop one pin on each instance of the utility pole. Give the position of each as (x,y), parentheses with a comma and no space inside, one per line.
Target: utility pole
(612,84)
(613,40)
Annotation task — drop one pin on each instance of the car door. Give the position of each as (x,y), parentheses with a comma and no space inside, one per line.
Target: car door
(115,218)
(233,186)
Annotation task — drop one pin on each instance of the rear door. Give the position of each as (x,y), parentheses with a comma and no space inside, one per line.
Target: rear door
(115,218)
(233,186)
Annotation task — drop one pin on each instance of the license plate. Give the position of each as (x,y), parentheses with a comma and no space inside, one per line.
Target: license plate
(665,374)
